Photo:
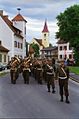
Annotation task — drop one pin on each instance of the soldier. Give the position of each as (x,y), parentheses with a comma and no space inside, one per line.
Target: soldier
(44,66)
(39,72)
(63,76)
(14,69)
(26,67)
(50,76)
(34,64)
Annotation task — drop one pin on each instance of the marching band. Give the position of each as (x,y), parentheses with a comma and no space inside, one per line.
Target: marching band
(43,70)
(39,69)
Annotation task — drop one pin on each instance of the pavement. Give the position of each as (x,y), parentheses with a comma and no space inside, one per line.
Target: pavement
(74,77)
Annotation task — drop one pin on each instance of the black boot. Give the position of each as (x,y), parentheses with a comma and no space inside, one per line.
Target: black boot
(61,98)
(53,90)
(48,90)
(67,100)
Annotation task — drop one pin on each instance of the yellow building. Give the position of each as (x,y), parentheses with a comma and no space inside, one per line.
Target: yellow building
(44,41)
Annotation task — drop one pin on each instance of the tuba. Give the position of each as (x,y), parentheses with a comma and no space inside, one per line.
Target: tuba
(15,62)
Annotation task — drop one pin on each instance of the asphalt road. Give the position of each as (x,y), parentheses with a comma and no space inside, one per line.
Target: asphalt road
(33,100)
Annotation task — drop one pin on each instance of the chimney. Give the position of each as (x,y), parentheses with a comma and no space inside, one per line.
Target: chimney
(1,12)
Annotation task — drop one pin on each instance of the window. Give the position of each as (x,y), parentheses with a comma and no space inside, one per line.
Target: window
(21,46)
(25,29)
(4,58)
(70,56)
(15,43)
(18,45)
(0,57)
(65,47)
(70,48)
(60,47)
(44,35)
(8,58)
(60,56)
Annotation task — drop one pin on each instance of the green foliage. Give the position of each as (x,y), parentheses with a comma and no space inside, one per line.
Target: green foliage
(68,23)
(36,49)
(3,73)
(74,69)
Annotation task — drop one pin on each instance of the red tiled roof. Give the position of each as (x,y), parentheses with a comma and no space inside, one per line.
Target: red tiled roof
(10,24)
(39,41)
(45,29)
(18,17)
(3,49)
(50,48)
(61,42)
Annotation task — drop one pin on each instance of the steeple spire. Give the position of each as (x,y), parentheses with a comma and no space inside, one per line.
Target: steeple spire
(45,29)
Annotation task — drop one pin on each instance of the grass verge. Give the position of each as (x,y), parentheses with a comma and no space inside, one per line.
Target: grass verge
(74,69)
(3,73)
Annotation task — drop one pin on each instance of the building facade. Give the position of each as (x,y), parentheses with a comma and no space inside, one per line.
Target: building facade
(45,36)
(44,41)
(64,51)
(3,54)
(13,34)
(50,52)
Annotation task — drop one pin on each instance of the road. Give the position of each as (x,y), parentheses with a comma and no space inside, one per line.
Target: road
(33,100)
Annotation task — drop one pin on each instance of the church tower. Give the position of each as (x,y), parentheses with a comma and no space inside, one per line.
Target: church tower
(45,35)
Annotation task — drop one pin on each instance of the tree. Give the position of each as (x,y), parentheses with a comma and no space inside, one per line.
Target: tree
(36,49)
(68,23)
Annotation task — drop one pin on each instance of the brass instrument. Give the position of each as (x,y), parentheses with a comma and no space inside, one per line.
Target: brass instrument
(15,62)
(26,62)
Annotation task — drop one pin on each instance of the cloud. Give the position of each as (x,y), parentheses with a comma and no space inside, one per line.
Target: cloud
(35,12)
(35,27)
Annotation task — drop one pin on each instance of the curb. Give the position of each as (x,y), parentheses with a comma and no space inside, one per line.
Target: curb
(74,79)
(4,71)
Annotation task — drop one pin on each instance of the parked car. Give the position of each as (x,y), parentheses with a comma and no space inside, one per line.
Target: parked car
(2,67)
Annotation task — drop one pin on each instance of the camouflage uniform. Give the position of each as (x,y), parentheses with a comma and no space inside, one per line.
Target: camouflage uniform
(25,72)
(39,74)
(63,76)
(50,79)
(14,70)
(44,66)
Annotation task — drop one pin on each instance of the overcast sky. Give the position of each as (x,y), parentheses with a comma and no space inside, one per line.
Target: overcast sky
(35,12)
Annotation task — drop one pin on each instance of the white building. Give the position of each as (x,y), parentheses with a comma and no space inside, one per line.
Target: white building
(3,54)
(64,50)
(13,34)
